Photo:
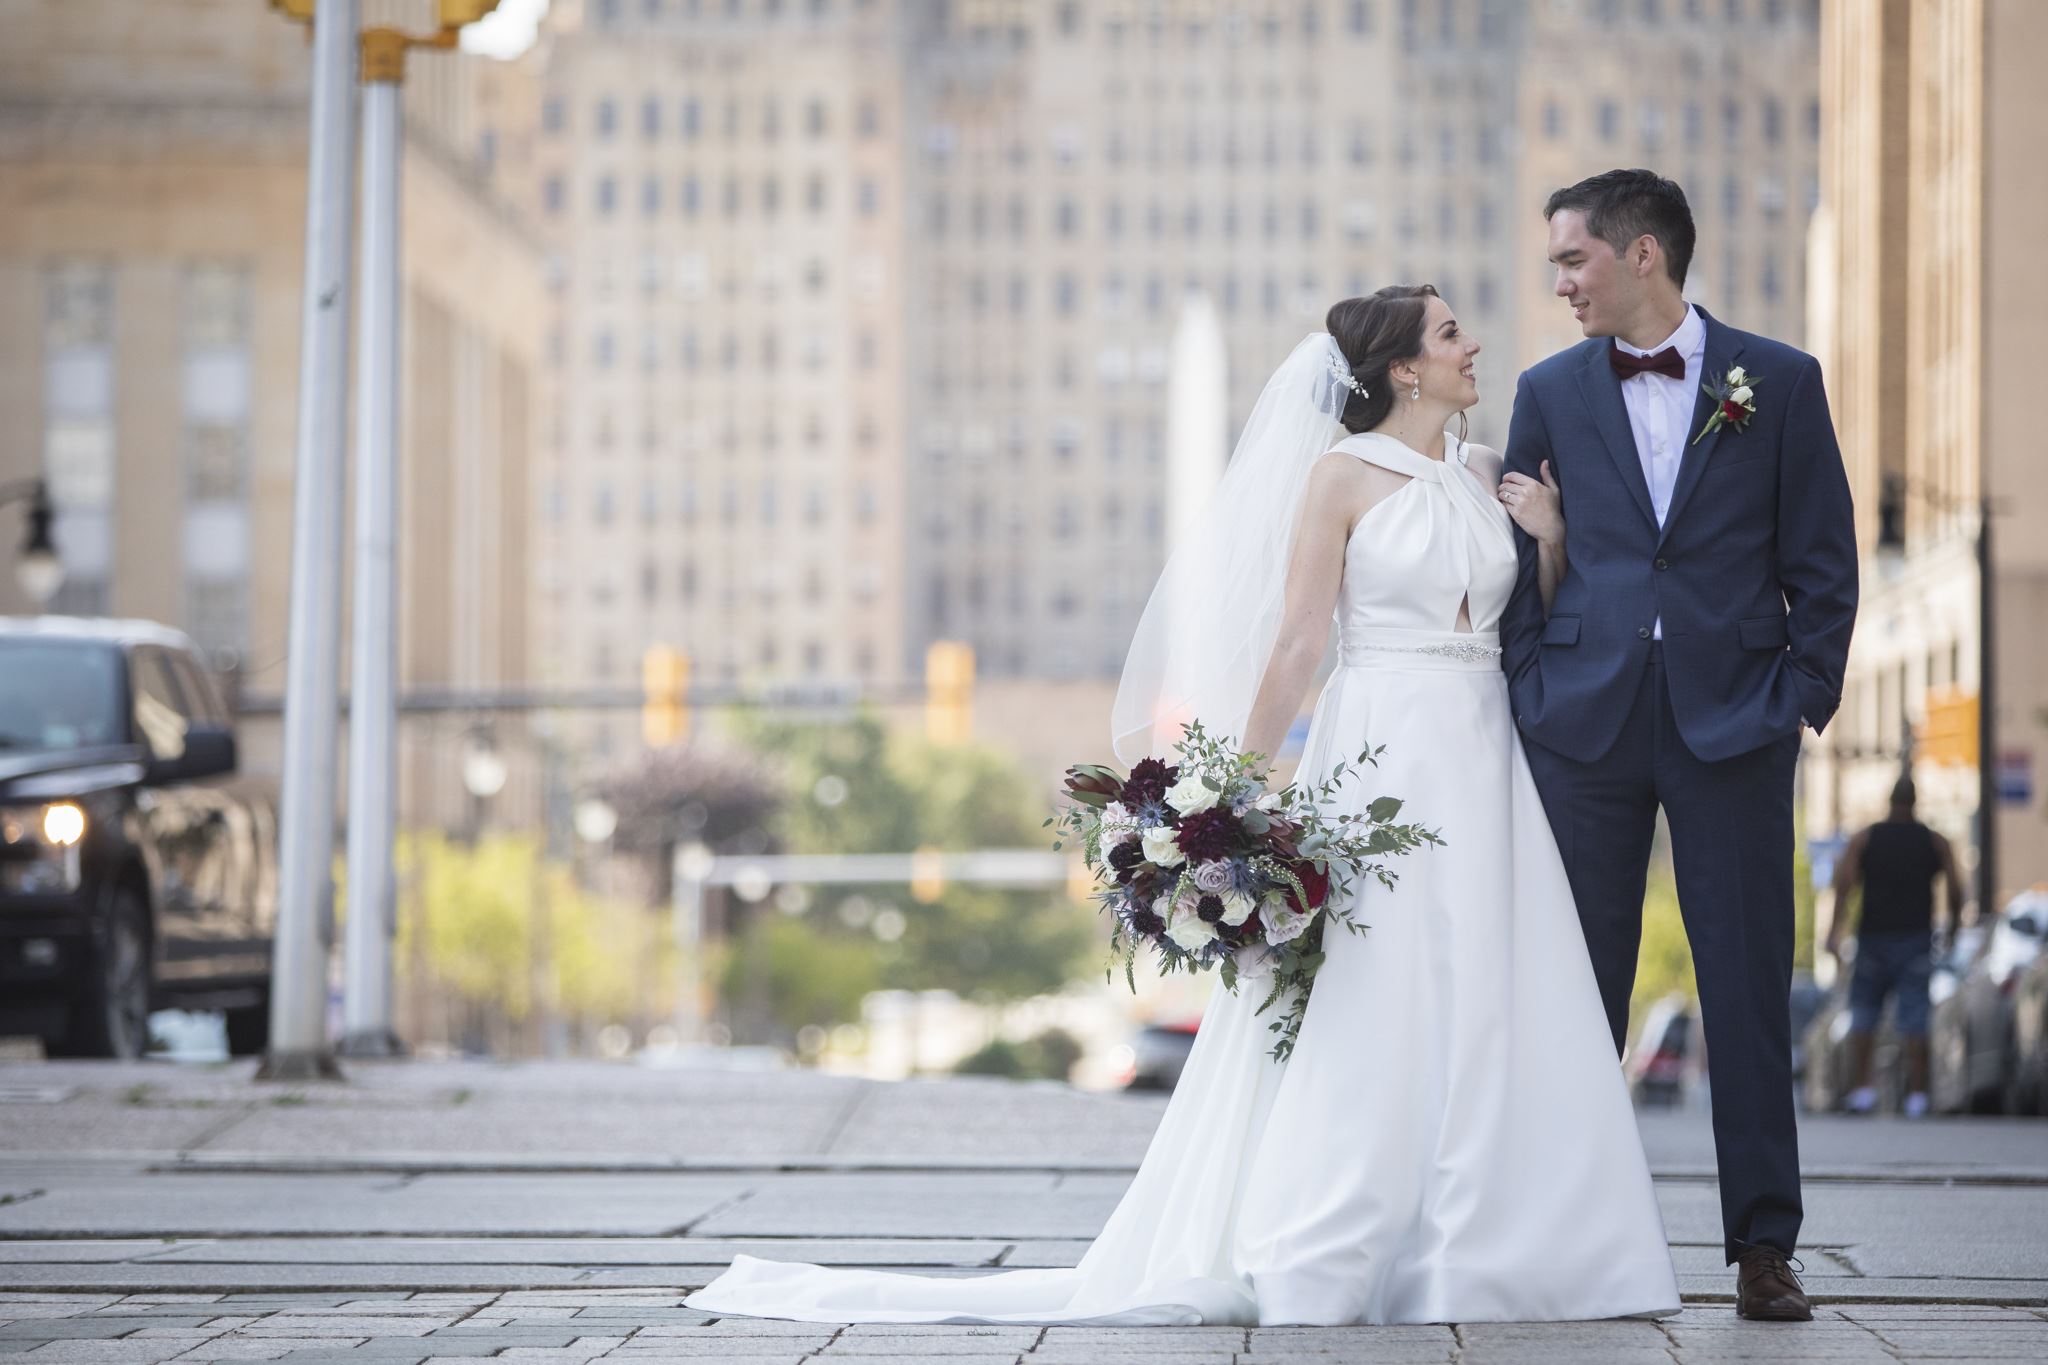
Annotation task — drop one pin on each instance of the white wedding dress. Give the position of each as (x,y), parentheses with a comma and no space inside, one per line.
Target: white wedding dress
(1452,1140)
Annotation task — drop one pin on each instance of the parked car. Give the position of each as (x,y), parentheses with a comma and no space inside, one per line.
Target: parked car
(1809,997)
(1972,1033)
(1159,1052)
(1668,1058)
(137,866)
(2028,1091)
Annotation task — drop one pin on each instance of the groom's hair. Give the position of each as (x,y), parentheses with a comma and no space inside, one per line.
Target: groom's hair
(1621,206)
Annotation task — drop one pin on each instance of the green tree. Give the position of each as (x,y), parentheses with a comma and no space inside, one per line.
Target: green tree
(854,786)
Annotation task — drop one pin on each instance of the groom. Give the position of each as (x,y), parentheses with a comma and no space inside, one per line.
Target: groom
(1703,617)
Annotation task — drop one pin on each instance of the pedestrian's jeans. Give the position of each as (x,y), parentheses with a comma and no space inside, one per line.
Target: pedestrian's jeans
(1896,964)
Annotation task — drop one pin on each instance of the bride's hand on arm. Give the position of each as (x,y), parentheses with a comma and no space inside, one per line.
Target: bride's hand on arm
(1538,508)
(1314,570)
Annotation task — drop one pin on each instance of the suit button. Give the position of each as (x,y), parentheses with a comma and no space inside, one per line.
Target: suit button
(1663,563)
(1642,632)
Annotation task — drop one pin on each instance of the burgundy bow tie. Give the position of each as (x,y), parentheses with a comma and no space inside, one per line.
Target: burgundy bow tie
(1666,362)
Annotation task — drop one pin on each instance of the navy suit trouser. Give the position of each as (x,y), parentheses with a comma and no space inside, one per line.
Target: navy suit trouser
(1731,848)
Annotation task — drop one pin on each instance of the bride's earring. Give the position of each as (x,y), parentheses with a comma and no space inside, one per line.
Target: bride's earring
(1416,392)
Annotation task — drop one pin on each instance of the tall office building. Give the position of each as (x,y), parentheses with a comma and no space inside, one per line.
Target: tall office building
(1932,324)
(865,308)
(720,192)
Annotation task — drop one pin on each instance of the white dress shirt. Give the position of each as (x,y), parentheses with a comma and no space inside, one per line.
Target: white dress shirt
(1660,410)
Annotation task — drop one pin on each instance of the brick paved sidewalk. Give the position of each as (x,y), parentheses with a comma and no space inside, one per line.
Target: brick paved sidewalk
(648,1327)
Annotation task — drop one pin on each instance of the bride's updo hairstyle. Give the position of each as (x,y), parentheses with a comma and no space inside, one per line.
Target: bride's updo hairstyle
(1374,332)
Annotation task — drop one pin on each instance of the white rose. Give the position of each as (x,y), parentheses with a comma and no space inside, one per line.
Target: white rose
(1736,376)
(1281,920)
(1237,908)
(1191,932)
(1160,848)
(1741,395)
(1190,795)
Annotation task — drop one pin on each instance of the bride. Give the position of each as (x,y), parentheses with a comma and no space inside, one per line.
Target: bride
(1451,1140)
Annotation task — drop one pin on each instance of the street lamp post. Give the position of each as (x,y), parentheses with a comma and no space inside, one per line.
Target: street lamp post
(298,1000)
(373,692)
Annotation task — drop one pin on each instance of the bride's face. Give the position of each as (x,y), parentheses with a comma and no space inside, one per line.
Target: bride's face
(1445,366)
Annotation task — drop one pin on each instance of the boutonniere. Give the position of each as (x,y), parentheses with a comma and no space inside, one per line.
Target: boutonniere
(1734,401)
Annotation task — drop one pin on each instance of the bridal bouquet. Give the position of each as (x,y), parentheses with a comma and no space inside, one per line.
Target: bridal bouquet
(1199,860)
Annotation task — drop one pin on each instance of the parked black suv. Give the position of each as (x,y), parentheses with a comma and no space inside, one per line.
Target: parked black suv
(138,870)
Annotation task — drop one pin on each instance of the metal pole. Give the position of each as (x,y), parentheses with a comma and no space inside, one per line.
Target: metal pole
(688,900)
(1987,718)
(373,692)
(298,1001)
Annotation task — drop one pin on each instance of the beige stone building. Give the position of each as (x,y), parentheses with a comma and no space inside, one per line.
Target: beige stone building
(1931,317)
(1722,97)
(953,240)
(720,466)
(152,164)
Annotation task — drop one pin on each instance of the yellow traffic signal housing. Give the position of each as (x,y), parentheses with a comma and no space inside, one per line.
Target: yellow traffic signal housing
(949,691)
(927,876)
(461,13)
(1950,734)
(665,685)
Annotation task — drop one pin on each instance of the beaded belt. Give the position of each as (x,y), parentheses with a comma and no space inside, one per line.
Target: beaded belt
(1392,647)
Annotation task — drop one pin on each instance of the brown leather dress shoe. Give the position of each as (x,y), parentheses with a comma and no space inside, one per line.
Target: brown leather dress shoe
(1766,1290)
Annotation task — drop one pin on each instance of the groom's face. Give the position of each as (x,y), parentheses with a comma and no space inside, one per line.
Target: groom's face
(1590,275)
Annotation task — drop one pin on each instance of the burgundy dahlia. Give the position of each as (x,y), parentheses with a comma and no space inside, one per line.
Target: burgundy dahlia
(1145,922)
(1148,782)
(1124,859)
(1209,908)
(1212,833)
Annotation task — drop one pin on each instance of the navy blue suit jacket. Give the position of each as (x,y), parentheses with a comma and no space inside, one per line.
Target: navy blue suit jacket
(1753,572)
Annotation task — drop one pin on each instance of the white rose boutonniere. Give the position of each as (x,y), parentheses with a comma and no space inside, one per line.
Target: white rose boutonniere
(1734,401)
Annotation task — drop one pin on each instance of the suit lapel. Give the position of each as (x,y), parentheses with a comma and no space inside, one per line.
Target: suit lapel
(1602,390)
(1722,348)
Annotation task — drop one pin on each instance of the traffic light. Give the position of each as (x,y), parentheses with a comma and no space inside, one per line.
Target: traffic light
(665,683)
(1950,734)
(927,876)
(949,691)
(462,13)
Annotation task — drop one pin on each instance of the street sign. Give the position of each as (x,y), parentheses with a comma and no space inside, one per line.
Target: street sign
(2015,777)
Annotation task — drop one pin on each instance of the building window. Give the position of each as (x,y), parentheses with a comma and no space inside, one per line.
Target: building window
(553,115)
(607,196)
(551,194)
(691,118)
(607,117)
(78,434)
(650,117)
(217,387)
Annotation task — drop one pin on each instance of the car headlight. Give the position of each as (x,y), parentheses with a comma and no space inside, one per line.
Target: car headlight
(63,823)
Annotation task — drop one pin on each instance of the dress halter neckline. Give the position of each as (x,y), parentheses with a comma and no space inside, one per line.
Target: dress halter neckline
(1393,453)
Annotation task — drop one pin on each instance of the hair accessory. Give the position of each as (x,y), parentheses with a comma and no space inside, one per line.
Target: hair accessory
(1341,372)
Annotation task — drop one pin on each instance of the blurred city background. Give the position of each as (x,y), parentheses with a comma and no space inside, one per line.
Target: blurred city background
(795,400)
